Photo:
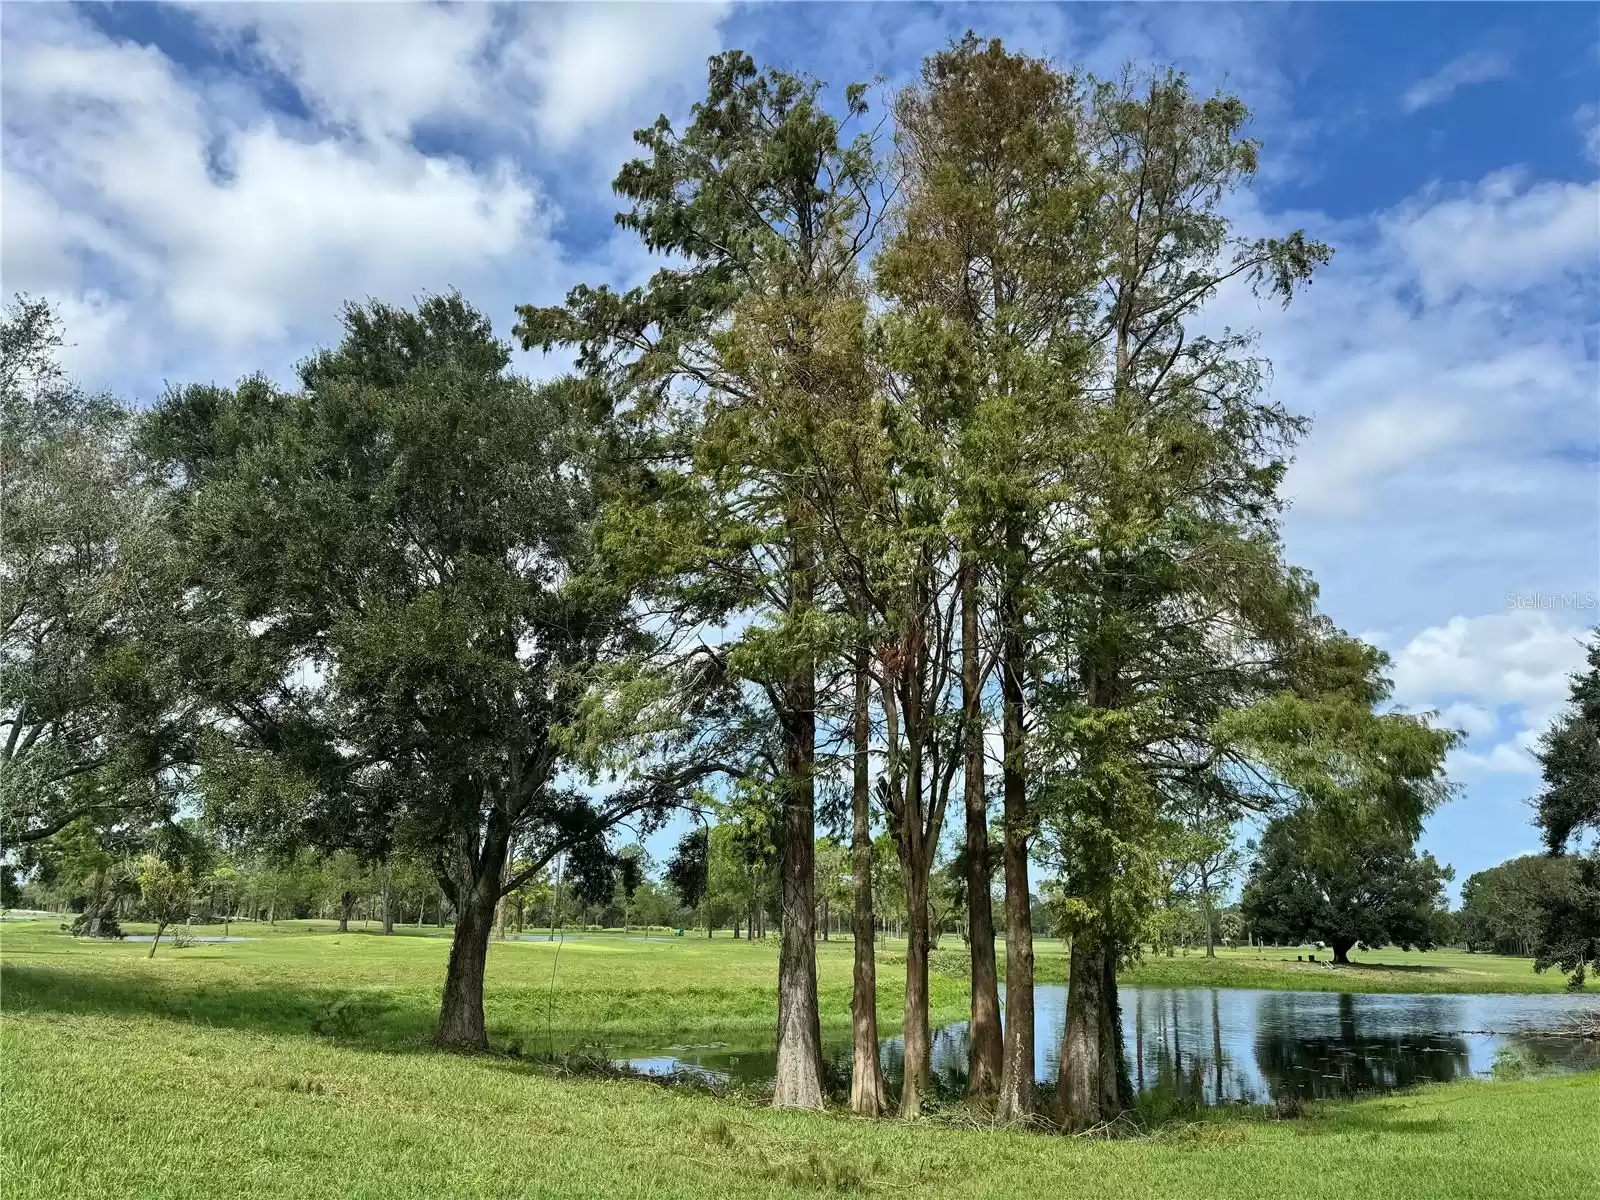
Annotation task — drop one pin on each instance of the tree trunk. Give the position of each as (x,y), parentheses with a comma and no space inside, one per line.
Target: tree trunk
(1341,950)
(799,1074)
(461,1024)
(916,1081)
(388,914)
(161,928)
(1087,1083)
(1016,1099)
(347,903)
(1206,913)
(984,1047)
(916,831)
(1111,1046)
(824,918)
(867,1095)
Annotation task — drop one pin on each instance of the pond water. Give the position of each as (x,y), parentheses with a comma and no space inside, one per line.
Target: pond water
(1211,1045)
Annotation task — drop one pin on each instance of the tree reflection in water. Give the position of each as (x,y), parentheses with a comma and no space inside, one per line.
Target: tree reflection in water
(1210,1046)
(1352,1059)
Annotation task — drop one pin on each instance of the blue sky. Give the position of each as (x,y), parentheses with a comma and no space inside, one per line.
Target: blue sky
(199,188)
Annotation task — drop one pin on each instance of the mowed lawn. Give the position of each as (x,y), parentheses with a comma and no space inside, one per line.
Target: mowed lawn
(296,1065)
(300,977)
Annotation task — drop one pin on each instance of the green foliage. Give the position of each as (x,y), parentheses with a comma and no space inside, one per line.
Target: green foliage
(1569,805)
(1502,908)
(92,713)
(1325,875)
(687,868)
(1569,757)
(395,596)
(166,893)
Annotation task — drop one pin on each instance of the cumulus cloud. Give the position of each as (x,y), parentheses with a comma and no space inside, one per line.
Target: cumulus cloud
(1507,231)
(1480,66)
(377,68)
(592,61)
(1516,664)
(1455,441)
(232,224)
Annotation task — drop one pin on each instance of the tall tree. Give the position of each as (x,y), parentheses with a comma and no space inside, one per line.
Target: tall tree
(397,611)
(93,717)
(688,870)
(633,869)
(987,260)
(731,361)
(1569,806)
(1170,603)
(867,1094)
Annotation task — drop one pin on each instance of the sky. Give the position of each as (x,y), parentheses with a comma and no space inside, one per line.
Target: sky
(200,187)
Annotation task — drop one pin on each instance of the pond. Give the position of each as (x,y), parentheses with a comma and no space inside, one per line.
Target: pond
(1211,1046)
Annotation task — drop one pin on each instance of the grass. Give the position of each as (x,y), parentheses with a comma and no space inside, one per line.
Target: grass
(1390,970)
(296,1065)
(302,977)
(385,991)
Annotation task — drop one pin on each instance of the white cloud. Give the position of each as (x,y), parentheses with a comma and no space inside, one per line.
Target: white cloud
(590,61)
(376,67)
(1472,719)
(128,191)
(1476,67)
(1456,429)
(1587,121)
(558,70)
(183,224)
(1506,232)
(1518,662)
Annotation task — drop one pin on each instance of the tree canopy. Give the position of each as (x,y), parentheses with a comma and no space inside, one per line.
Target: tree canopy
(397,615)
(1348,881)
(1568,808)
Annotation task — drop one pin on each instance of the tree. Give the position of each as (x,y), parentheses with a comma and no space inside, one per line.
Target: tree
(1503,908)
(92,717)
(397,611)
(832,880)
(1160,601)
(1569,759)
(633,868)
(1346,880)
(740,867)
(1207,858)
(345,881)
(727,362)
(687,869)
(868,1097)
(166,894)
(986,267)
(92,863)
(223,886)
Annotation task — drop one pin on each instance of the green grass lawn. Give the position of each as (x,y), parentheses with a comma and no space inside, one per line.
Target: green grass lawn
(296,1065)
(300,976)
(1389,970)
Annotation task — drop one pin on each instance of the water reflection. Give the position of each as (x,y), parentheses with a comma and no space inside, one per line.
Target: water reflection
(1211,1046)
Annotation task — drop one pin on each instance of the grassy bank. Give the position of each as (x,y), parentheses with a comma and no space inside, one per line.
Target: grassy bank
(296,1065)
(117,1104)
